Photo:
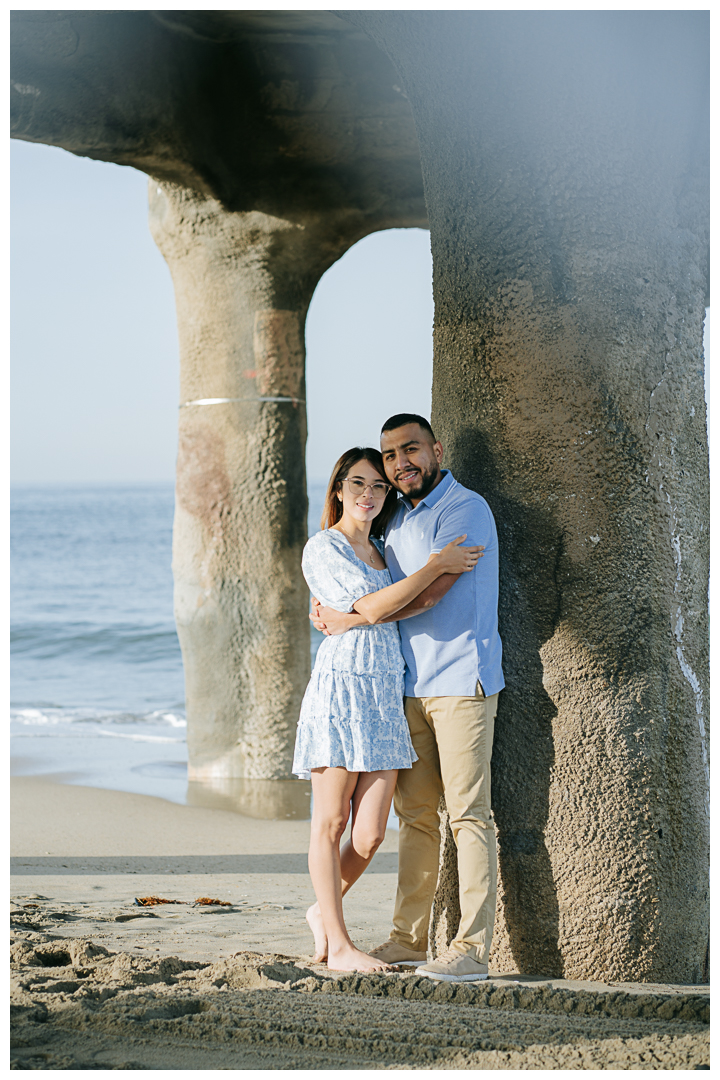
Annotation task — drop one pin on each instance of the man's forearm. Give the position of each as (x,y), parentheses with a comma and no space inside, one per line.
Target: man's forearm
(427,599)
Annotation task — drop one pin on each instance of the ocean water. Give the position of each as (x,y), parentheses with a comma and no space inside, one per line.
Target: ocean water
(97,694)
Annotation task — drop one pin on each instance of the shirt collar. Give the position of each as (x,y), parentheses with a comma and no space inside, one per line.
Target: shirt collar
(448,481)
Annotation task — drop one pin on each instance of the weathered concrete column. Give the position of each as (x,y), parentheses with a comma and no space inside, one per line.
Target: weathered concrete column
(565,166)
(243,283)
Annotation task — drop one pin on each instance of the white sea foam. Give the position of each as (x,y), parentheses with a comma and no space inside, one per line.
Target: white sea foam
(175,721)
(148,754)
(139,738)
(58,717)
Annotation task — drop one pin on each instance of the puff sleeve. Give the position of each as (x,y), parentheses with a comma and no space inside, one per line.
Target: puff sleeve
(333,573)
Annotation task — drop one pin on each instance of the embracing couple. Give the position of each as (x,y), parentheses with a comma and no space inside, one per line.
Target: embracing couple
(403,695)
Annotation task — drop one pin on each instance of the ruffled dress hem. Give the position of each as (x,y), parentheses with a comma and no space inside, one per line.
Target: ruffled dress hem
(343,748)
(352,745)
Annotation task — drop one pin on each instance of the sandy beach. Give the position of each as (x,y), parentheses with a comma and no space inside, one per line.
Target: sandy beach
(100,982)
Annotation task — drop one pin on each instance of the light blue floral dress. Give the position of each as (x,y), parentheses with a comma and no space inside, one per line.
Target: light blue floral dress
(352,713)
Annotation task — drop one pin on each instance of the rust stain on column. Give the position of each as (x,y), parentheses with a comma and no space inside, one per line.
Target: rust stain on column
(279,353)
(203,485)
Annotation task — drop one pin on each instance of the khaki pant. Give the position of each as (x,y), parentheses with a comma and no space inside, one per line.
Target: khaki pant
(453,739)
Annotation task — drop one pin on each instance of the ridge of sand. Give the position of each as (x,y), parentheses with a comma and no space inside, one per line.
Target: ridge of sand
(78,1006)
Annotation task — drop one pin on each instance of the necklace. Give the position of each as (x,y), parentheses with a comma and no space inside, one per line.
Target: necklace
(356,543)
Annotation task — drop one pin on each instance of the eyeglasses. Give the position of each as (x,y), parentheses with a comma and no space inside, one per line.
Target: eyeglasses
(359,487)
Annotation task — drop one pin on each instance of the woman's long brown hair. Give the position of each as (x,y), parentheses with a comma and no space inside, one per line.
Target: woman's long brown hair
(332,510)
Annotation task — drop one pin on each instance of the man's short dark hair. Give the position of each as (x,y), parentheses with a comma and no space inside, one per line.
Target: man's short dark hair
(402,418)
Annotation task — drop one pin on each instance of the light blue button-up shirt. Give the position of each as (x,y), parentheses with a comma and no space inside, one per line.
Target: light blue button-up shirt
(449,647)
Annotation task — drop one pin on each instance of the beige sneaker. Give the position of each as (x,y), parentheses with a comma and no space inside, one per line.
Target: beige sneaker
(392,953)
(454,967)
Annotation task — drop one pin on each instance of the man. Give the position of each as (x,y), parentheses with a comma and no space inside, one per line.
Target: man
(453,654)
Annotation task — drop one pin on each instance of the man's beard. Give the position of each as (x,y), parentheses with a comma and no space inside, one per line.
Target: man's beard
(427,483)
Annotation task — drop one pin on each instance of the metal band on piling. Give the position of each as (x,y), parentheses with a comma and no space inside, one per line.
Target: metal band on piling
(226,400)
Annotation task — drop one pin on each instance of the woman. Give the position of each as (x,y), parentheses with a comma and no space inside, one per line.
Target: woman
(352,735)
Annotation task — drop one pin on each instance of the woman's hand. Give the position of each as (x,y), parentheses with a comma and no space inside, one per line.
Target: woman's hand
(457,560)
(330,622)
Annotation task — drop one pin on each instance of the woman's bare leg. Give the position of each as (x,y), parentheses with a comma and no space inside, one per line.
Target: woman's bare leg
(314,921)
(331,810)
(371,801)
(332,792)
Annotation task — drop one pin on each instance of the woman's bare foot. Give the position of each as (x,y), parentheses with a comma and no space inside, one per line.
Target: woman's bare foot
(316,924)
(348,958)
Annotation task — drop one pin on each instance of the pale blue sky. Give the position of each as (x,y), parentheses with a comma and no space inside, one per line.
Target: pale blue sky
(94,343)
